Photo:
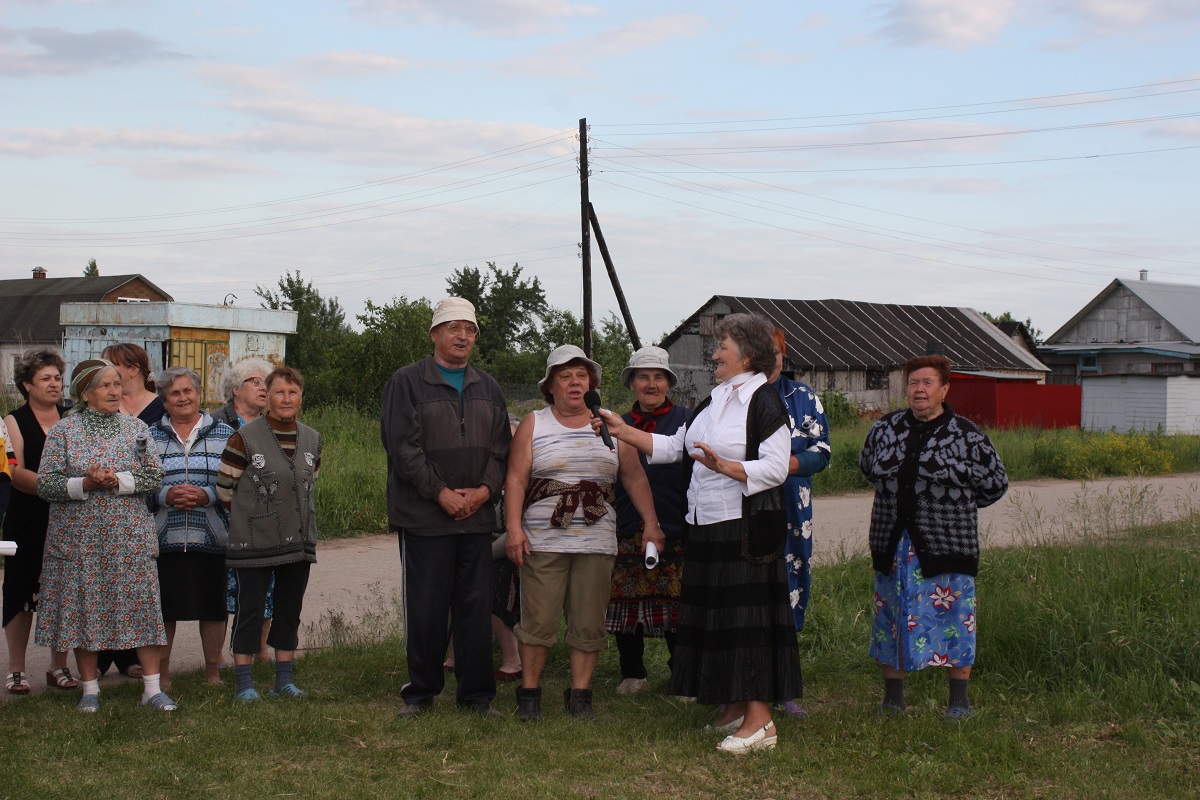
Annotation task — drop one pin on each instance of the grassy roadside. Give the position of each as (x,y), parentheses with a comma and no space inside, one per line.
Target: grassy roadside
(1087,685)
(351,500)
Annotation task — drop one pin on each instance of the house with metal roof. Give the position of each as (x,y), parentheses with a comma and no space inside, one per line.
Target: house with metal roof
(1137,327)
(858,349)
(29,308)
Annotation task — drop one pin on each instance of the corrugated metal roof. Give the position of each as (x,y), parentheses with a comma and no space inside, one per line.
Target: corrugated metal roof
(844,334)
(29,306)
(1177,303)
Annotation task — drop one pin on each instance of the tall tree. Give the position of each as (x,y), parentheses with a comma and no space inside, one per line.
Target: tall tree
(509,307)
(394,334)
(321,332)
(1035,333)
(91,270)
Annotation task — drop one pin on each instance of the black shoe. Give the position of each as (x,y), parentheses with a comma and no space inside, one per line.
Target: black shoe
(484,710)
(529,704)
(412,710)
(578,703)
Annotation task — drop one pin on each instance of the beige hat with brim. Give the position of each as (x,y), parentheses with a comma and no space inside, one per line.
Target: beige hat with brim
(451,309)
(564,354)
(647,358)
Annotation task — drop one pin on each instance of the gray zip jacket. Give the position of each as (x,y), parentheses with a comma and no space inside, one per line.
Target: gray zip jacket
(434,441)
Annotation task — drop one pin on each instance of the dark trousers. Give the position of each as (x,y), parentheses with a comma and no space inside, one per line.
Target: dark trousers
(448,575)
(250,601)
(631,646)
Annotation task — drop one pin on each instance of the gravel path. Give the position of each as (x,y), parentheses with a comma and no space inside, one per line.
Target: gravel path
(355,575)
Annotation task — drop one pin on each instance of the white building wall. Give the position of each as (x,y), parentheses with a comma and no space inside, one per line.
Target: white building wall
(1124,403)
(1183,405)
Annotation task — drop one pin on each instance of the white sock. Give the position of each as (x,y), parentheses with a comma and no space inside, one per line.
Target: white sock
(150,686)
(91,687)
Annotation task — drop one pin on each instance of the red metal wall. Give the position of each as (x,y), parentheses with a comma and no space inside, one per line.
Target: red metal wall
(1014,404)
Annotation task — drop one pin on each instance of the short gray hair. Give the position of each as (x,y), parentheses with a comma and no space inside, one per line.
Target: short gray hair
(754,336)
(237,373)
(171,374)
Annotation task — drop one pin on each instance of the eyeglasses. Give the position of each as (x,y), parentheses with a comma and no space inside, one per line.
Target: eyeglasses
(462,327)
(254,382)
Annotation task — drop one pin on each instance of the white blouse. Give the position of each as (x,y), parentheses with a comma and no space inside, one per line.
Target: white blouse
(713,497)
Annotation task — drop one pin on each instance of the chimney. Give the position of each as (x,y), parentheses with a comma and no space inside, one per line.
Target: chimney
(39,274)
(1143,274)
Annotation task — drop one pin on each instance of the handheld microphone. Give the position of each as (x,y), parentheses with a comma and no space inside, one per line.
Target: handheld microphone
(651,555)
(592,401)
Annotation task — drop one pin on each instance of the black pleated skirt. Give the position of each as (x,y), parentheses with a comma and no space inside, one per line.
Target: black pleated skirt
(193,586)
(736,639)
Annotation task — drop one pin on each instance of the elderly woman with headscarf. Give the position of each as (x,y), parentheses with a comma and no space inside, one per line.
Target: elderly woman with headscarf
(192,524)
(736,644)
(645,603)
(268,479)
(932,470)
(245,390)
(38,375)
(99,581)
(138,399)
(558,503)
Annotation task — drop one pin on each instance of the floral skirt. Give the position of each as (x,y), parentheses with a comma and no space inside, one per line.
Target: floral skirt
(922,622)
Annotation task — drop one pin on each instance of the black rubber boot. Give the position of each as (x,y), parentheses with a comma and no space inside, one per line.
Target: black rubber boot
(578,703)
(529,704)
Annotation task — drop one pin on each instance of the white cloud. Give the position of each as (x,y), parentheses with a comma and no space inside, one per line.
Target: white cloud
(959,24)
(492,16)
(571,57)
(54,51)
(347,63)
(949,23)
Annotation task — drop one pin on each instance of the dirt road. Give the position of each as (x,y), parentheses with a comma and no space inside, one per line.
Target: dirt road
(357,574)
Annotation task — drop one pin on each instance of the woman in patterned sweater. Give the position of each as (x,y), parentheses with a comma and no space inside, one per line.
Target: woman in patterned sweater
(932,472)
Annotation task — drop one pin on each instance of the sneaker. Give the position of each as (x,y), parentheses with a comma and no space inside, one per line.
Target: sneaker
(632,686)
(578,703)
(250,695)
(529,704)
(412,710)
(959,712)
(89,704)
(288,690)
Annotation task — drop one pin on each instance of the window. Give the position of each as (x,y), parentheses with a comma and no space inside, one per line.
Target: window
(877,379)
(1167,368)
(133,300)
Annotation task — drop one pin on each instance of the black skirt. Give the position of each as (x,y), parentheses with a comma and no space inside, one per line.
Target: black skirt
(192,586)
(736,639)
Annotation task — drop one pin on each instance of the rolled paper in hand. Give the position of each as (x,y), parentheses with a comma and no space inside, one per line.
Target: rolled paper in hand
(651,555)
(8,548)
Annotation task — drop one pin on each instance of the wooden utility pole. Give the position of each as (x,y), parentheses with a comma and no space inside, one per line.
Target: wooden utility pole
(585,245)
(612,277)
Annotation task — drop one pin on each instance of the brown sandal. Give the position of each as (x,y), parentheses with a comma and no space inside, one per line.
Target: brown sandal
(61,678)
(16,683)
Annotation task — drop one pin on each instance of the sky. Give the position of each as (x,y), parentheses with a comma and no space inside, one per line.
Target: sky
(1008,155)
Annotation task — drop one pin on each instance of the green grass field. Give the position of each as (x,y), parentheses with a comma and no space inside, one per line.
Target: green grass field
(1087,685)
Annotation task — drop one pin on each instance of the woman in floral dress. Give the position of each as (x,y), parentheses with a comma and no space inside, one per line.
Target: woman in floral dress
(932,472)
(99,579)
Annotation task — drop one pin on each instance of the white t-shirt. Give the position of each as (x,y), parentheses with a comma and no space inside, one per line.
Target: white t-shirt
(569,455)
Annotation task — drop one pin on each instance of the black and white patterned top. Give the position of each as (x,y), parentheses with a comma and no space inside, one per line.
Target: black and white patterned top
(931,478)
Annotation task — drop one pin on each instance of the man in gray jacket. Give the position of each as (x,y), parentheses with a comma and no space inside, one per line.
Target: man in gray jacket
(445,426)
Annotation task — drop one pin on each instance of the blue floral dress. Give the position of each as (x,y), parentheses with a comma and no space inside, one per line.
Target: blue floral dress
(810,436)
(99,577)
(922,622)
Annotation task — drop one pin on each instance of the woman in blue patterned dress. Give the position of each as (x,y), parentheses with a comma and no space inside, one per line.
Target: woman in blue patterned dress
(810,454)
(99,580)
(932,472)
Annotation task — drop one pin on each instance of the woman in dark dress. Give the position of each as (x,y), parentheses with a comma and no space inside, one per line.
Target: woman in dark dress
(39,378)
